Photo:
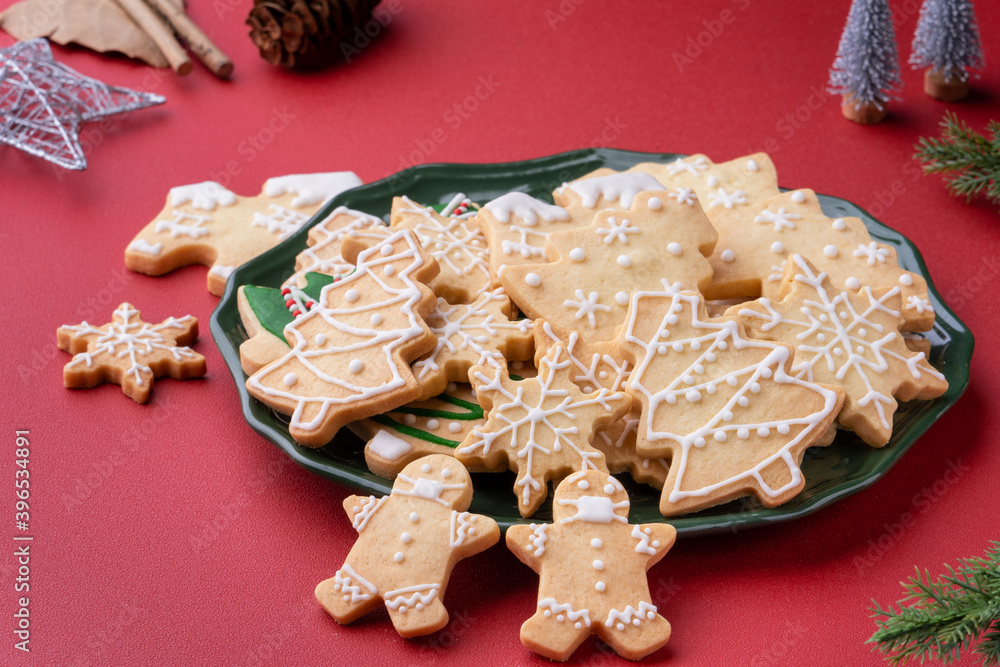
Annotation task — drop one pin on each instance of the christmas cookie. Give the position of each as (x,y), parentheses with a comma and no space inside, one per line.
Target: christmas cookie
(592,567)
(516,226)
(849,338)
(455,242)
(593,270)
(719,405)
(352,351)
(323,252)
(205,223)
(408,544)
(130,352)
(753,246)
(540,427)
(603,189)
(477,334)
(600,365)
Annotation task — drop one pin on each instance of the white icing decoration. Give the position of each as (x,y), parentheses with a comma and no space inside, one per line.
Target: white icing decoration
(621,298)
(281,221)
(398,557)
(411,597)
(918,304)
(727,256)
(433,425)
(780,220)
(454,427)
(178,227)
(291,379)
(852,283)
(146,248)
(343,582)
(132,338)
(577,254)
(839,224)
(693,167)
(594,509)
(655,203)
(525,207)
(643,546)
(376,319)
(630,616)
(712,181)
(752,165)
(675,249)
(320,339)
(830,251)
(351,295)
(371,506)
(596,543)
(203,196)
(414,517)
(587,306)
(311,189)
(428,489)
(388,446)
(461,527)
(683,196)
(711,337)
(620,188)
(727,199)
(538,538)
(617,231)
(222,271)
(798,196)
(600,586)
(532,280)
(356,366)
(598,565)
(550,606)
(624,261)
(906,280)
(872,253)
(324,255)
(778,247)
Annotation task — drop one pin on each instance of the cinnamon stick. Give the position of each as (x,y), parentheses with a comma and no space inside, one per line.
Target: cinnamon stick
(197,41)
(161,34)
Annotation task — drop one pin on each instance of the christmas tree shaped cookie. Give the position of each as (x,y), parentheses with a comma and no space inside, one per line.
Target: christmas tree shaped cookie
(130,352)
(455,242)
(592,571)
(516,225)
(540,427)
(204,223)
(603,189)
(408,544)
(352,351)
(753,246)
(593,270)
(599,365)
(477,334)
(850,338)
(718,404)
(323,254)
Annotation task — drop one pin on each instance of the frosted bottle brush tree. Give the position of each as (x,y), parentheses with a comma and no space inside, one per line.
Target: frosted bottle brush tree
(947,44)
(866,70)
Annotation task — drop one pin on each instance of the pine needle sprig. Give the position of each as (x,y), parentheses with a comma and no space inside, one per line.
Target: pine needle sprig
(970,160)
(939,619)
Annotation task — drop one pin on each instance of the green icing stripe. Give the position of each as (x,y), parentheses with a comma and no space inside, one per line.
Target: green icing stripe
(473,411)
(415,432)
(269,307)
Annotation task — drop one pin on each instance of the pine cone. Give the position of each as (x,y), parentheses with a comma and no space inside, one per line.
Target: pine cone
(305,33)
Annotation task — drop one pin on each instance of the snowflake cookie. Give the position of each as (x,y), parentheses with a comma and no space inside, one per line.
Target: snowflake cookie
(850,338)
(455,242)
(130,352)
(593,270)
(408,543)
(477,334)
(204,223)
(350,354)
(720,405)
(599,365)
(542,427)
(592,568)
(754,245)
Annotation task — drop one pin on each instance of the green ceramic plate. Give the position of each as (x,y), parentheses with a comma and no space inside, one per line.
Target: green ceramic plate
(845,467)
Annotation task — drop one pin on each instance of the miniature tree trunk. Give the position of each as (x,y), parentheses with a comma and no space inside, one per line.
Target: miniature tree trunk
(947,86)
(866,113)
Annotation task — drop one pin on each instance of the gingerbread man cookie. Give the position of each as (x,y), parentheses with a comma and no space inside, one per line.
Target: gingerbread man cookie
(720,405)
(352,351)
(130,352)
(408,543)
(592,571)
(204,223)
(850,338)
(541,427)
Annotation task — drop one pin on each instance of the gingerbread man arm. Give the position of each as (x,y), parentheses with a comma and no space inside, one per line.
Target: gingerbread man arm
(360,508)
(528,543)
(654,540)
(472,533)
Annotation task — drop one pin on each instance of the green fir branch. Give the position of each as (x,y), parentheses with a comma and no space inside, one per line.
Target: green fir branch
(939,619)
(969,160)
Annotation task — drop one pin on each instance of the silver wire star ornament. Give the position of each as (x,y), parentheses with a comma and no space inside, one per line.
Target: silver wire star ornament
(43,103)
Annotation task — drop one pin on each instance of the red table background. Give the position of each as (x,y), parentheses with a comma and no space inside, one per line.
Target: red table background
(172,534)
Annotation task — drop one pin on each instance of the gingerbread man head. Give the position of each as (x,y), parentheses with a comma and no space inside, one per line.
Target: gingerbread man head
(592,496)
(436,478)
